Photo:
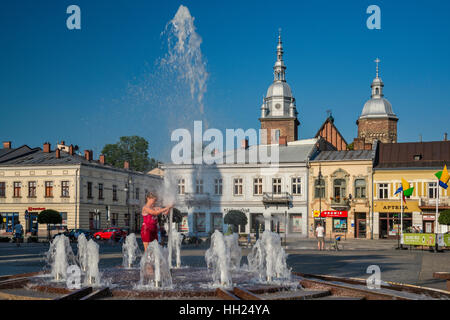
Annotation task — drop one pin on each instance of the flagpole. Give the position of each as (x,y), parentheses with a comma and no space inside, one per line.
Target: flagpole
(401,219)
(436,216)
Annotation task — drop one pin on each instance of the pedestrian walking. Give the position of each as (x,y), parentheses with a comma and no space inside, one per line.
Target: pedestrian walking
(18,231)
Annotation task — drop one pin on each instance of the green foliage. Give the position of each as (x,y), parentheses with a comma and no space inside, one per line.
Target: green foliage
(350,146)
(49,217)
(133,149)
(444,217)
(235,218)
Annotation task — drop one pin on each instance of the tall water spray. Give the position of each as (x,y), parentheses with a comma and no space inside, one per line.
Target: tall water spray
(130,251)
(155,269)
(92,272)
(59,257)
(223,256)
(268,259)
(82,252)
(176,239)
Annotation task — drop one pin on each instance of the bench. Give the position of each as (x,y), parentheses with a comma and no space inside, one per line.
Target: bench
(444,276)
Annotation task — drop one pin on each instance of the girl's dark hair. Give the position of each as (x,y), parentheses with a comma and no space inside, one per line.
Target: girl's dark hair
(150,195)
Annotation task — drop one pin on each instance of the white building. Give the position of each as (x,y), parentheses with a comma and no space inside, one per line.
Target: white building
(276,201)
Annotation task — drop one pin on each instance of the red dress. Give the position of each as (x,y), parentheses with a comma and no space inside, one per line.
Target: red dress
(149,230)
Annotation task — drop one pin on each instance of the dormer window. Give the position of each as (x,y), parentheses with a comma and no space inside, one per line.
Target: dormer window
(417,157)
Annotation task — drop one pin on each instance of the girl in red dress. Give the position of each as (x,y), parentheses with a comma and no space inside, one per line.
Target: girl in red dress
(149,230)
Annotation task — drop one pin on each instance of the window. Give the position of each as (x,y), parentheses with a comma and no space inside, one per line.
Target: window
(296,186)
(114,218)
(137,191)
(89,190)
(32,189)
(127,220)
(49,189)
(276,185)
(94,220)
(100,191)
(200,222)
(383,190)
(65,189)
(199,186)
(319,188)
(339,224)
(257,186)
(339,189)
(218,186)
(238,187)
(2,189)
(360,188)
(181,186)
(432,190)
(17,188)
(114,192)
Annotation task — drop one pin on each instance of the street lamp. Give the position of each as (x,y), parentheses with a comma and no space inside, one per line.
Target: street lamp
(320,192)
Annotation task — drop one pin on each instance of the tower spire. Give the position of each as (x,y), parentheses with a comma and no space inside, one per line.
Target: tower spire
(279,68)
(377,61)
(377,83)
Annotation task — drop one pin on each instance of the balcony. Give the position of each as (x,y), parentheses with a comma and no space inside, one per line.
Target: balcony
(427,203)
(340,203)
(277,199)
(196,199)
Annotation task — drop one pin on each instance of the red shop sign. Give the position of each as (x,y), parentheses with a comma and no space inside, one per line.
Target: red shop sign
(35,209)
(335,214)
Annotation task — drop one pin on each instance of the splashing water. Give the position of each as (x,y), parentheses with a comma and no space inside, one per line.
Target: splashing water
(176,246)
(130,250)
(223,255)
(268,259)
(82,252)
(92,272)
(59,257)
(184,55)
(155,271)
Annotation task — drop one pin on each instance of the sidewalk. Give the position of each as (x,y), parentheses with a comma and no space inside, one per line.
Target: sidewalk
(349,244)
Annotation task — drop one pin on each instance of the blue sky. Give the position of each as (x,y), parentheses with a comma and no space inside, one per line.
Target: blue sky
(57,84)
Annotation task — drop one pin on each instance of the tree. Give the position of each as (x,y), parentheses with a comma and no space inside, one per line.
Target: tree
(444,217)
(235,218)
(133,149)
(48,217)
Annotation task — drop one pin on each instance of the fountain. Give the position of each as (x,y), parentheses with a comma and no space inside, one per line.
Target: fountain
(82,252)
(59,257)
(232,243)
(176,240)
(268,259)
(92,272)
(155,271)
(130,250)
(218,259)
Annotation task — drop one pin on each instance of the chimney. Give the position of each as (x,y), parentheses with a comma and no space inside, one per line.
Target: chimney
(88,155)
(445,136)
(47,147)
(7,145)
(282,141)
(102,159)
(126,165)
(58,154)
(244,144)
(71,150)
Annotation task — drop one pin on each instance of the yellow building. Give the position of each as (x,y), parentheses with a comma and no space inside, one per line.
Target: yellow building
(88,193)
(341,189)
(416,163)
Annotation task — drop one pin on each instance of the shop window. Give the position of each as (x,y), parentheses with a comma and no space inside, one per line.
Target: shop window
(360,188)
(339,224)
(257,222)
(319,188)
(199,222)
(217,221)
(296,223)
(183,226)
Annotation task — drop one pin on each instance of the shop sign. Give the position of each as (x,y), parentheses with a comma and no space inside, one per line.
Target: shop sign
(419,239)
(395,206)
(428,217)
(35,209)
(335,214)
(316,214)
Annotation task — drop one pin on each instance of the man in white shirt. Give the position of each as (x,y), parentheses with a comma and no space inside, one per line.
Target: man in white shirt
(320,234)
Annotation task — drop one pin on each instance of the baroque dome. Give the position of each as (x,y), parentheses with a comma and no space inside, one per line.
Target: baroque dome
(377,108)
(279,88)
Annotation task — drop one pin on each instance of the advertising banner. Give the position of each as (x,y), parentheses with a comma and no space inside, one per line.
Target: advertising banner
(419,239)
(335,214)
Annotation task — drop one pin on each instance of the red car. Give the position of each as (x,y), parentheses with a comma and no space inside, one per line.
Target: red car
(106,234)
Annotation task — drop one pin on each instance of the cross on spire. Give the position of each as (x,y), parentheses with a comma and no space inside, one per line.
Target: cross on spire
(377,61)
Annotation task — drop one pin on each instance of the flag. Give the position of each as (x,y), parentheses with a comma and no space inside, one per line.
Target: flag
(443,177)
(405,187)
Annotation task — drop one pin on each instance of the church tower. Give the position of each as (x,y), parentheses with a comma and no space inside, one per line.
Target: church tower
(377,120)
(278,111)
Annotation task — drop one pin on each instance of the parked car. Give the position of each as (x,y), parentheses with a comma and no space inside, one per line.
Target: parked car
(74,233)
(113,232)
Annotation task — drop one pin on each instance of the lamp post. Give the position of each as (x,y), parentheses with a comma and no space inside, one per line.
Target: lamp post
(320,192)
